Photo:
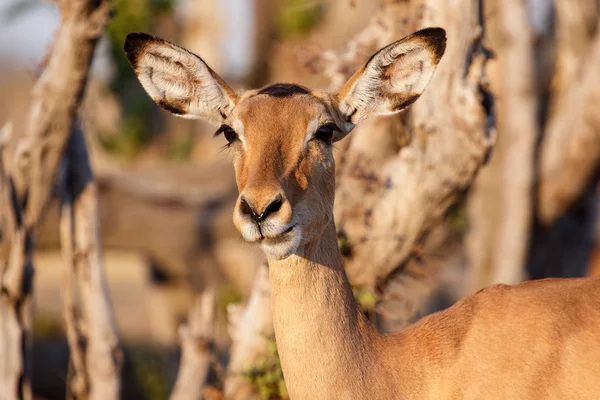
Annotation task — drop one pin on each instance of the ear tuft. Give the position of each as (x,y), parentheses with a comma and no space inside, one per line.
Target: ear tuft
(435,38)
(134,46)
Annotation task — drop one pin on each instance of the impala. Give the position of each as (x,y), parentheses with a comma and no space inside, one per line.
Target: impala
(537,340)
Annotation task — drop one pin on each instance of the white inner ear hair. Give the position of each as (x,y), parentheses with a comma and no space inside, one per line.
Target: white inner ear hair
(405,68)
(184,82)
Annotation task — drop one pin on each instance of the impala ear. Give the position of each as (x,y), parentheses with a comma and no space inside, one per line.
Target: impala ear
(178,80)
(394,77)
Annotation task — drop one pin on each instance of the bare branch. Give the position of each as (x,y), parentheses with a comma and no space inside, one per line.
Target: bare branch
(249,328)
(196,348)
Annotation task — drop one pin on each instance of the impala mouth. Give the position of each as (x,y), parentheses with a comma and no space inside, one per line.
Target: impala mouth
(283,245)
(273,232)
(288,230)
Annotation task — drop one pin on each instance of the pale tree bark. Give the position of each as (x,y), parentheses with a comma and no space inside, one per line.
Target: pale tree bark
(196,348)
(398,176)
(16,280)
(96,357)
(517,127)
(558,71)
(32,166)
(500,206)
(249,328)
(56,97)
(570,151)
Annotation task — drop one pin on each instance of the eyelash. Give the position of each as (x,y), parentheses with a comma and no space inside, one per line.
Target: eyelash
(229,134)
(325,132)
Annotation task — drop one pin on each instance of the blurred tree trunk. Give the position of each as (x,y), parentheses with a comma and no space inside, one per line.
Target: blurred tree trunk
(570,150)
(569,154)
(556,65)
(501,203)
(31,163)
(96,357)
(16,283)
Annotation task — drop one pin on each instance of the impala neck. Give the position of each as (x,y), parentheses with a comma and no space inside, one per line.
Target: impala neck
(324,341)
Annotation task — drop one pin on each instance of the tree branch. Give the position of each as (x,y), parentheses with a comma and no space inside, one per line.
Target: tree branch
(196,348)
(249,328)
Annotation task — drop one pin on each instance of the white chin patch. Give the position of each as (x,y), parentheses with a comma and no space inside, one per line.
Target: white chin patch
(282,247)
(250,233)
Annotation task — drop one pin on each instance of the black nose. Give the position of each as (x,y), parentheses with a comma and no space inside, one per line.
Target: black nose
(249,209)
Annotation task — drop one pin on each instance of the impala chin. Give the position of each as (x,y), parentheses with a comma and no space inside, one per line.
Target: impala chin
(283,245)
(251,232)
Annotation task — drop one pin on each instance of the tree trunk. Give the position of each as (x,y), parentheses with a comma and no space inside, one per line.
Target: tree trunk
(570,151)
(501,204)
(96,358)
(31,165)
(398,176)
(16,283)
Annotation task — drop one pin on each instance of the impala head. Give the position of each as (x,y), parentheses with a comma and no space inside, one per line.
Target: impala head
(281,136)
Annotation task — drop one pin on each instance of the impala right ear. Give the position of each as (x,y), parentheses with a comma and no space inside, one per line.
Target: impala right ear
(178,80)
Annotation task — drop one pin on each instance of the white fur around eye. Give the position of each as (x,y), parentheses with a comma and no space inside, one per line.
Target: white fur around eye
(311,128)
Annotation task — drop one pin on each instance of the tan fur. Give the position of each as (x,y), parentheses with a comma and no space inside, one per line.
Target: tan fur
(538,340)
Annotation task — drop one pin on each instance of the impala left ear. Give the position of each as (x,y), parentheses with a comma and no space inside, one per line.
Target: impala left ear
(394,77)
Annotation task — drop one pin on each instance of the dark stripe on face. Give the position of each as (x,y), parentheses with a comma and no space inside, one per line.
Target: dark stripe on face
(283,90)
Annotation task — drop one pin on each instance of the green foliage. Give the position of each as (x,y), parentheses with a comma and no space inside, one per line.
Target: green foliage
(47,327)
(180,149)
(148,371)
(296,17)
(131,16)
(366,298)
(457,219)
(131,138)
(267,375)
(343,243)
(226,295)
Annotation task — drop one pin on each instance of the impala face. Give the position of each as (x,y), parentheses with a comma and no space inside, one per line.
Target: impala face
(284,165)
(280,137)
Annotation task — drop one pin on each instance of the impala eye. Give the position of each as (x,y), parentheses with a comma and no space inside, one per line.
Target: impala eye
(325,132)
(228,132)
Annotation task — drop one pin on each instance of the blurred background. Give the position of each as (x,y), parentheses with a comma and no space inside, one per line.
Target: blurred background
(167,188)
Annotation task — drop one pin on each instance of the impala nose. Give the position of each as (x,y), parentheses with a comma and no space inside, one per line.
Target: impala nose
(258,213)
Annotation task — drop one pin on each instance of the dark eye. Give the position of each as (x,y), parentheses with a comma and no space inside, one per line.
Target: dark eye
(228,132)
(325,132)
